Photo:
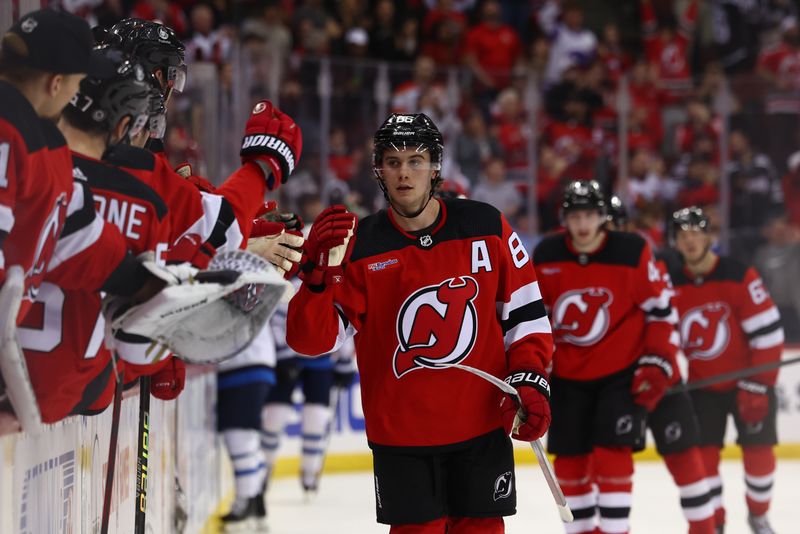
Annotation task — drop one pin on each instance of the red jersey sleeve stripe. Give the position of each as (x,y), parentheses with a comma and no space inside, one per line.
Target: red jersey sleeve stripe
(527,328)
(760,320)
(524,295)
(767,341)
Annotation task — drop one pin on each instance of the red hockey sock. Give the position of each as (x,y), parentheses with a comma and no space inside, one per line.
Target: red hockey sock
(689,475)
(759,467)
(574,477)
(437,526)
(614,474)
(475,525)
(710,454)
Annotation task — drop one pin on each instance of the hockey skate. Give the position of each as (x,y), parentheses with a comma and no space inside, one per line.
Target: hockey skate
(310,482)
(759,524)
(246,515)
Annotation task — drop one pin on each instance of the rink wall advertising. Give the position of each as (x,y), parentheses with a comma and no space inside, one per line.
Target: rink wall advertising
(54,482)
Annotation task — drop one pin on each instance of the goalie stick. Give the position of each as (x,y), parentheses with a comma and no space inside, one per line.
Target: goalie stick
(536,445)
(732,375)
(143,451)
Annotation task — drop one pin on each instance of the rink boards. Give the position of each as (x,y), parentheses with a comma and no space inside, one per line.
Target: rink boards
(54,482)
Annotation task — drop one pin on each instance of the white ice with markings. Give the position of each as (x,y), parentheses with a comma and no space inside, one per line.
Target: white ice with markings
(345,503)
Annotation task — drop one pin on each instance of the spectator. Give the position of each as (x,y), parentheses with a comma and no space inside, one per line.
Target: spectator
(383,31)
(778,263)
(647,96)
(755,191)
(341,160)
(162,10)
(456,5)
(315,28)
(700,122)
(443,11)
(271,38)
(512,131)
(735,33)
(667,47)
(699,179)
(612,55)
(356,42)
(474,147)
(791,189)
(446,43)
(773,13)
(406,96)
(406,43)
(494,189)
(550,182)
(492,50)
(207,44)
(646,182)
(571,43)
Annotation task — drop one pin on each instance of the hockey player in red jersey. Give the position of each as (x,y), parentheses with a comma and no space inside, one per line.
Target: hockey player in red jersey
(429,283)
(674,425)
(614,358)
(70,367)
(44,56)
(728,322)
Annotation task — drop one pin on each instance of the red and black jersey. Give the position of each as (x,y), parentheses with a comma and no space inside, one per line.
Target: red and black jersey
(463,291)
(62,335)
(607,308)
(728,321)
(35,189)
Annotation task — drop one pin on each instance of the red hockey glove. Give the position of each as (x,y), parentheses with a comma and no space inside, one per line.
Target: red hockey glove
(752,401)
(272,139)
(168,383)
(651,380)
(186,171)
(189,249)
(534,391)
(328,247)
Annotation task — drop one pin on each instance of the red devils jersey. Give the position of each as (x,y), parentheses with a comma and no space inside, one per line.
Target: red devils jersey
(222,219)
(728,322)
(463,291)
(35,189)
(63,334)
(607,308)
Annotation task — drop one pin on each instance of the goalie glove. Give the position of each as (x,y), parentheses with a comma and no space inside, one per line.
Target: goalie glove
(651,380)
(208,316)
(273,141)
(328,247)
(283,249)
(531,420)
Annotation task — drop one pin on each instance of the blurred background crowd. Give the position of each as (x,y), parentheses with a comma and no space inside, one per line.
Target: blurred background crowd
(667,103)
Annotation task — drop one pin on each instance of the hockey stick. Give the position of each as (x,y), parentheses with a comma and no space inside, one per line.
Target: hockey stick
(112,447)
(12,361)
(732,375)
(536,445)
(142,454)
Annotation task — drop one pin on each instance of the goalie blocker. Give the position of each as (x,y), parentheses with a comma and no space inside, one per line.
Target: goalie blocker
(202,317)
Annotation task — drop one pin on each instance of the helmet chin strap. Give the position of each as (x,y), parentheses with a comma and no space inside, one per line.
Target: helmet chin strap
(413,215)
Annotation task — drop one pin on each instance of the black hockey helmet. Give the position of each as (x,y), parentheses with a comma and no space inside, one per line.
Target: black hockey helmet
(688,218)
(583,195)
(401,131)
(617,213)
(101,103)
(155,45)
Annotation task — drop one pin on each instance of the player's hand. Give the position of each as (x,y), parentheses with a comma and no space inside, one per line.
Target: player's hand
(168,383)
(273,141)
(192,250)
(752,401)
(187,173)
(283,250)
(328,247)
(291,221)
(651,380)
(530,421)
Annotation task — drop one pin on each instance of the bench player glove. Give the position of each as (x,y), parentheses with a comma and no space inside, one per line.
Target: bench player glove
(534,419)
(167,383)
(752,401)
(328,246)
(651,380)
(273,141)
(185,170)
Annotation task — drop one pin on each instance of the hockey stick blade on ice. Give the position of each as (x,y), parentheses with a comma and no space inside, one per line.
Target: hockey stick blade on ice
(732,375)
(536,445)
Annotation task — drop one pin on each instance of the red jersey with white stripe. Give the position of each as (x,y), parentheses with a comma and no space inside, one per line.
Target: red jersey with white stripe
(62,335)
(728,322)
(35,189)
(462,291)
(222,219)
(607,308)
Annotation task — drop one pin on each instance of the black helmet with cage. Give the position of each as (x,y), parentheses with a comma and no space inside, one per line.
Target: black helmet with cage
(401,131)
(583,195)
(101,103)
(688,219)
(155,45)
(617,214)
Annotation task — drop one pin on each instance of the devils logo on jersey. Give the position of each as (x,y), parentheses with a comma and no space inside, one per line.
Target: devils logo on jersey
(704,331)
(581,317)
(437,325)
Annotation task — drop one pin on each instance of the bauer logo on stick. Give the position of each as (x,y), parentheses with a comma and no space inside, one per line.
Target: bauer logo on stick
(437,325)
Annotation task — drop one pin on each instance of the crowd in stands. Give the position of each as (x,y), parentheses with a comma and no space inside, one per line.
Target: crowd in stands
(533,87)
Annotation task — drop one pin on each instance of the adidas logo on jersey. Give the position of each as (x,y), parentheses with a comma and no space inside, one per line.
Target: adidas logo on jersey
(77,174)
